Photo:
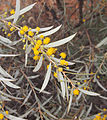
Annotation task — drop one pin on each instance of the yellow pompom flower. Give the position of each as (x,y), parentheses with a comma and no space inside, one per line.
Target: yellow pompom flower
(9,23)
(41,36)
(12,28)
(21,32)
(51,51)
(46,40)
(47,66)
(30,33)
(36,57)
(63,62)
(76,92)
(7,112)
(36,52)
(12,11)
(39,42)
(63,55)
(37,29)
(60,69)
(1,116)
(55,74)
(36,47)
(25,28)
(8,34)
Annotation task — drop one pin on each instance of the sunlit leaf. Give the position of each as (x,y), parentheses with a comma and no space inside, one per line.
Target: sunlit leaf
(11,117)
(103,42)
(89,92)
(11,84)
(24,10)
(26,99)
(17,11)
(7,95)
(4,73)
(70,101)
(50,32)
(47,77)
(89,110)
(58,61)
(62,83)
(5,40)
(39,64)
(42,29)
(8,55)
(60,42)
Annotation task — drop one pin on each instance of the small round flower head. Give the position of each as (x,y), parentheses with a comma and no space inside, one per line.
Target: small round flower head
(46,40)
(7,112)
(8,34)
(22,32)
(63,55)
(41,36)
(30,33)
(9,23)
(55,74)
(83,20)
(36,52)
(37,29)
(12,28)
(1,116)
(76,92)
(60,69)
(36,57)
(25,28)
(12,11)
(51,51)
(36,46)
(63,62)
(39,42)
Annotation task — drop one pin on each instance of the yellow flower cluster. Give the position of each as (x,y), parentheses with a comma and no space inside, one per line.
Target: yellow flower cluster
(98,117)
(1,116)
(63,62)
(51,51)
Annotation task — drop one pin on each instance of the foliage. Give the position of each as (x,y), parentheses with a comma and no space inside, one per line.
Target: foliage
(67,84)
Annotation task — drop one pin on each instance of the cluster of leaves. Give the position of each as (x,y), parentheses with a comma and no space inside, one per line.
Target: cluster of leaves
(72,84)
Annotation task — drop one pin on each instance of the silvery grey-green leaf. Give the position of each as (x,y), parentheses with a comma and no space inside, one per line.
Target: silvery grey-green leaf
(39,64)
(50,32)
(47,77)
(8,55)
(60,42)
(62,83)
(89,92)
(11,84)
(5,40)
(42,29)
(24,10)
(103,42)
(17,11)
